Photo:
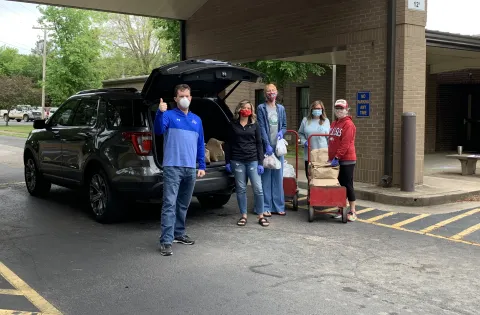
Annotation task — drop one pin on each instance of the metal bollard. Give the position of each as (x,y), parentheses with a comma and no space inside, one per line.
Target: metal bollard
(407,163)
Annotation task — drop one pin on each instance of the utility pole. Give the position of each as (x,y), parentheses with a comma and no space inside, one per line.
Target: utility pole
(44,70)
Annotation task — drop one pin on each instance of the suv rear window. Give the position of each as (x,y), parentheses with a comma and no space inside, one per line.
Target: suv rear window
(123,113)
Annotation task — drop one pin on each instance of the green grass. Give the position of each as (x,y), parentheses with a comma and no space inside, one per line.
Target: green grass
(16,131)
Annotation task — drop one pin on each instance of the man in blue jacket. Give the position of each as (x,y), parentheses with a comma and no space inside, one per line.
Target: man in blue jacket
(184,146)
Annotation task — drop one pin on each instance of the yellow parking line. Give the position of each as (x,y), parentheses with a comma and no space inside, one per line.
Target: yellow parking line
(466,232)
(13,312)
(10,292)
(379,217)
(327,210)
(448,221)
(364,210)
(416,218)
(418,232)
(28,292)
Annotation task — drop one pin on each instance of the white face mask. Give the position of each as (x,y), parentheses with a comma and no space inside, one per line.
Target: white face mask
(340,113)
(184,102)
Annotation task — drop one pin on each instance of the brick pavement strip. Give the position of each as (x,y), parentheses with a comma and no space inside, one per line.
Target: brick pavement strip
(23,289)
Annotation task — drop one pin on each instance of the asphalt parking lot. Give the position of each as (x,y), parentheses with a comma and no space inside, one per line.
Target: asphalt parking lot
(78,266)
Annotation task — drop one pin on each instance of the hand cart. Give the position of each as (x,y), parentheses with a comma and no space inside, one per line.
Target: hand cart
(325,196)
(290,184)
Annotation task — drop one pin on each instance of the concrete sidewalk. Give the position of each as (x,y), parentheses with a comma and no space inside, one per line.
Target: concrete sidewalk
(443,184)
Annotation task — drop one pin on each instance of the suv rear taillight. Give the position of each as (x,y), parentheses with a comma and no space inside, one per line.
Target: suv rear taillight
(142,141)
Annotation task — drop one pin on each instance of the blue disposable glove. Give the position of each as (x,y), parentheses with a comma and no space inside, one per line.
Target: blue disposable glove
(280,135)
(269,150)
(228,168)
(334,163)
(260,170)
(306,144)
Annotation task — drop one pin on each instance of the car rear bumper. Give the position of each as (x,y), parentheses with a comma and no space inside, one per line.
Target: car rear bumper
(139,186)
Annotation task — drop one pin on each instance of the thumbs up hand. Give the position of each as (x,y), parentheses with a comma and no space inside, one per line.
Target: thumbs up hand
(163,106)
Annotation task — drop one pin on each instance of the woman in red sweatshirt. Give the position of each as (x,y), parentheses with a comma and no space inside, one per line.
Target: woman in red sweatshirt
(341,151)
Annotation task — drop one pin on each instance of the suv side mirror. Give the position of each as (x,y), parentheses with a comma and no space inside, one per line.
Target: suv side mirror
(39,124)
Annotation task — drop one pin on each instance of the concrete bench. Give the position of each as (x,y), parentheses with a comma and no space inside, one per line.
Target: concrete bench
(468,162)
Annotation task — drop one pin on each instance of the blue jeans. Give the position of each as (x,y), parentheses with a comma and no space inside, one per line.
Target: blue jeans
(241,170)
(272,182)
(178,184)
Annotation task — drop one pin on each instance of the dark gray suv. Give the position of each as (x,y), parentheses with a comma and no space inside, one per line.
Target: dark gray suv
(102,141)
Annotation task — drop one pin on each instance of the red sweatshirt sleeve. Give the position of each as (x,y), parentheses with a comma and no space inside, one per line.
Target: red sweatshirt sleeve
(348,134)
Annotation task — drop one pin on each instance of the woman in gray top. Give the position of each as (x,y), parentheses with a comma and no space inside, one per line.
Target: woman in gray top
(316,122)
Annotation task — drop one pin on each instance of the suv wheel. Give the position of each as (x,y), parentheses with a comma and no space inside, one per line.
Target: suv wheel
(104,202)
(5,117)
(37,185)
(25,118)
(214,201)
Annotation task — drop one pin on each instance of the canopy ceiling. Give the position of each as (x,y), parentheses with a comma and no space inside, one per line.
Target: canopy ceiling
(170,9)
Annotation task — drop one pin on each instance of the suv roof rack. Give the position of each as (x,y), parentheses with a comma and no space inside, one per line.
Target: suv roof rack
(131,90)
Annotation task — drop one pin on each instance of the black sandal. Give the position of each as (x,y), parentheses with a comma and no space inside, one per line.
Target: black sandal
(263,222)
(242,221)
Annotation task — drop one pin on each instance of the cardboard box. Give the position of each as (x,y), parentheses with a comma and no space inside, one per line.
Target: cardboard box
(319,155)
(323,171)
(324,182)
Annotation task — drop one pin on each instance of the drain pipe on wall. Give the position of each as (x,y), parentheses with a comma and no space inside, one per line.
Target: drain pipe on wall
(386,180)
(183,40)
(334,90)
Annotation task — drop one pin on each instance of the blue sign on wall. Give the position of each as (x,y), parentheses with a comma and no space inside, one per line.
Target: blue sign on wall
(363,104)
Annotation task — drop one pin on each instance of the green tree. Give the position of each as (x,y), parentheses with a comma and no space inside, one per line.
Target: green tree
(281,72)
(74,61)
(169,30)
(133,40)
(12,63)
(15,90)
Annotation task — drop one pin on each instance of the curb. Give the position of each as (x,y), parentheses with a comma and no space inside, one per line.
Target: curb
(414,201)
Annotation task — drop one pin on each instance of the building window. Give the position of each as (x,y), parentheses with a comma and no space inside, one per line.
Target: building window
(259,97)
(303,102)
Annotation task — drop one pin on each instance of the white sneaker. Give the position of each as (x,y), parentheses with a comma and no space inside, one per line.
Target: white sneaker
(338,215)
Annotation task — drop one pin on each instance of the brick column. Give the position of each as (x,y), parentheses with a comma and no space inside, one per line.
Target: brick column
(410,66)
(366,62)
(366,71)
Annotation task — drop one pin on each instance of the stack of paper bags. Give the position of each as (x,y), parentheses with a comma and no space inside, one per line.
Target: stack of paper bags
(320,171)
(215,148)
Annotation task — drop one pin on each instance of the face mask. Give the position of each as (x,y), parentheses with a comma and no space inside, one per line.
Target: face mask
(184,102)
(245,112)
(317,112)
(340,113)
(271,96)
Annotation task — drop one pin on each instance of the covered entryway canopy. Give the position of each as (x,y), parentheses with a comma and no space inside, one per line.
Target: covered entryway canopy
(445,53)
(169,9)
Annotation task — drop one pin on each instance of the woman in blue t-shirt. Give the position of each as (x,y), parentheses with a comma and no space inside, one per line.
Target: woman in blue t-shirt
(316,122)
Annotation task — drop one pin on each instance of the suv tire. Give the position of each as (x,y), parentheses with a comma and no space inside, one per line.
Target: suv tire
(214,201)
(25,118)
(5,118)
(36,184)
(104,202)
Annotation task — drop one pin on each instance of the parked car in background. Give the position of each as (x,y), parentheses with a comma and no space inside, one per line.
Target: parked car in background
(21,112)
(102,141)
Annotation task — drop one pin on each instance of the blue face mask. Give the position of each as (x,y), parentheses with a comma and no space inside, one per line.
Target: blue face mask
(317,112)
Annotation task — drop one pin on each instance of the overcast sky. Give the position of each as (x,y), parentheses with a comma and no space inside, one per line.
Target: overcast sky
(17,19)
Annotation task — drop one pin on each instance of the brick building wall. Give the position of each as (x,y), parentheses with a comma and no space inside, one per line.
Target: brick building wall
(293,28)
